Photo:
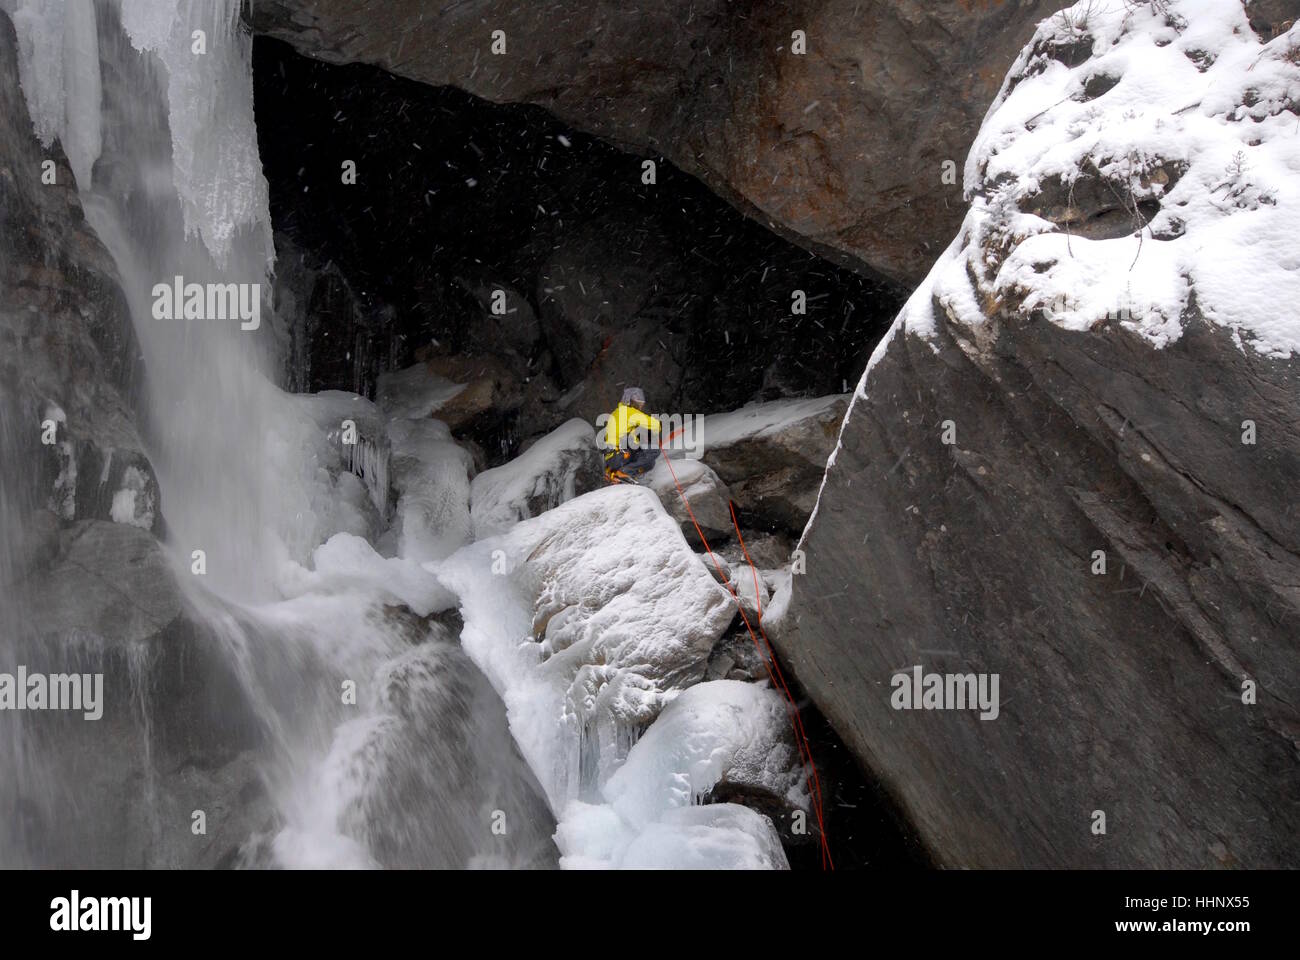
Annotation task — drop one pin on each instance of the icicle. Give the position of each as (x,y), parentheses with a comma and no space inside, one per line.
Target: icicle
(217,170)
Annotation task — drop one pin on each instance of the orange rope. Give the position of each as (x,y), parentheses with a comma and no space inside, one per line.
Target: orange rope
(768,658)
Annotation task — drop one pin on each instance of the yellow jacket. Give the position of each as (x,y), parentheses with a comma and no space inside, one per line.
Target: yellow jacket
(623,421)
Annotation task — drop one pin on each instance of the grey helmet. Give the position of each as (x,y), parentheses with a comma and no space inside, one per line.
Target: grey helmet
(634,396)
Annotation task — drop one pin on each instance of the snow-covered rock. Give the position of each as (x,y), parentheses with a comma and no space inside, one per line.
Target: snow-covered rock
(558,467)
(719,732)
(714,732)
(589,620)
(702,488)
(1140,160)
(601,611)
(772,456)
(1073,463)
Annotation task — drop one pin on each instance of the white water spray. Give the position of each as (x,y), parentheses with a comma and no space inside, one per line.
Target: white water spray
(152,101)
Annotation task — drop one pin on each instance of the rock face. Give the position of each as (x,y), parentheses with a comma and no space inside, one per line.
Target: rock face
(1097,506)
(67,353)
(807,140)
(176,732)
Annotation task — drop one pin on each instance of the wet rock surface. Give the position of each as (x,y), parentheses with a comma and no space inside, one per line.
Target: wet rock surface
(69,364)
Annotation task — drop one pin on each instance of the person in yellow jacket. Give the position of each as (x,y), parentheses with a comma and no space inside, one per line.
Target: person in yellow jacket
(631,439)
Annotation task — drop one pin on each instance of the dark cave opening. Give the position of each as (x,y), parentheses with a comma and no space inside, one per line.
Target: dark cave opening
(609,280)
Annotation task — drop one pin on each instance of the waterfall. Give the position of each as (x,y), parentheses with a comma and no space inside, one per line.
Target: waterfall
(185,197)
(152,102)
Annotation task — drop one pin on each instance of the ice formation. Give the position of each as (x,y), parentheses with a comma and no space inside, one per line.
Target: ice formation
(592,621)
(543,476)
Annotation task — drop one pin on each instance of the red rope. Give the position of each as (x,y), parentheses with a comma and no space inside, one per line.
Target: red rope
(768,658)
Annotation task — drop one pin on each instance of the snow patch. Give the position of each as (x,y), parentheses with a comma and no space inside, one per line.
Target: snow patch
(763,419)
(1181,110)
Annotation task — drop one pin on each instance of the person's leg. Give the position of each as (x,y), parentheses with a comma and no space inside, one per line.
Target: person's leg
(641,461)
(614,466)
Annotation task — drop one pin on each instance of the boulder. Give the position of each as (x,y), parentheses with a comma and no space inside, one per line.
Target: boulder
(622,617)
(772,456)
(806,139)
(1089,497)
(622,612)
(176,724)
(707,495)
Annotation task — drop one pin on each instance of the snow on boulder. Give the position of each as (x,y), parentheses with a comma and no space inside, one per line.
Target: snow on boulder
(589,620)
(1072,464)
(772,456)
(724,731)
(1138,165)
(556,468)
(703,488)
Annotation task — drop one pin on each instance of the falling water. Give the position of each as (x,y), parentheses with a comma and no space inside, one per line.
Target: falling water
(152,102)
